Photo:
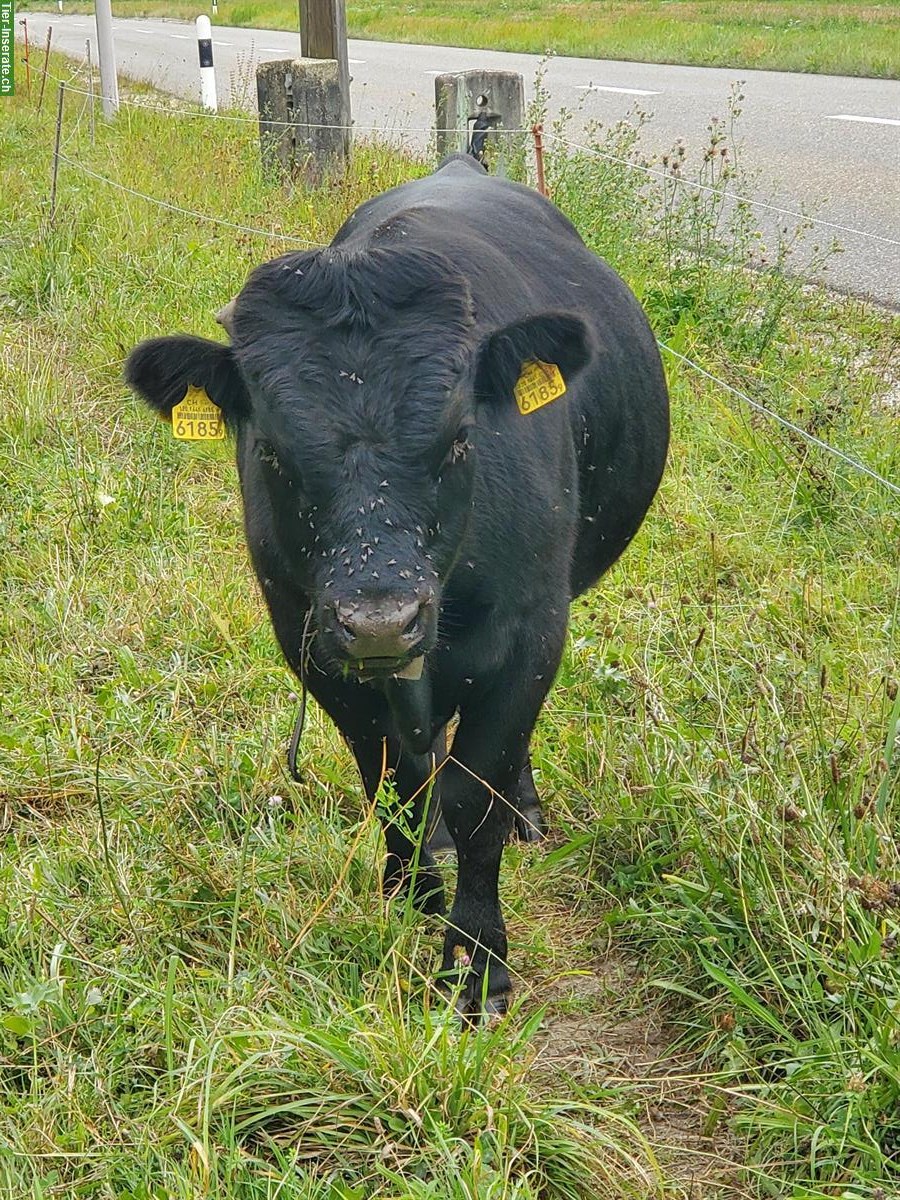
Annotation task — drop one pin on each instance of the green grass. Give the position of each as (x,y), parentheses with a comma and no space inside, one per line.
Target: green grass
(841,37)
(201,990)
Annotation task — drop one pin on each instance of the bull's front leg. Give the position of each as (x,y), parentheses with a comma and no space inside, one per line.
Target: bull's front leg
(479,788)
(409,864)
(364,718)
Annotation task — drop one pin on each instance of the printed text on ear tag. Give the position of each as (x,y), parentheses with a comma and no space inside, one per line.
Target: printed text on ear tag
(538,384)
(197,419)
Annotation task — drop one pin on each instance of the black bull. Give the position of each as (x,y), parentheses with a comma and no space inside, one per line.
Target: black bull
(416,535)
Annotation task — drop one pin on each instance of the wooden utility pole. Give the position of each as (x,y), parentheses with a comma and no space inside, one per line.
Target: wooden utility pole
(323,34)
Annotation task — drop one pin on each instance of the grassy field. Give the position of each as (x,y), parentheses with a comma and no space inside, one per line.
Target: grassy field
(840,37)
(201,991)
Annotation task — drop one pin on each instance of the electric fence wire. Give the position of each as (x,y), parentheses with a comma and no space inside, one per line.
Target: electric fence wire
(569,143)
(855,463)
(763,410)
(735,197)
(173,110)
(188,212)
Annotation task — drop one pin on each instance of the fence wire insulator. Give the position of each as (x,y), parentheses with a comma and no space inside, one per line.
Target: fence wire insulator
(483,123)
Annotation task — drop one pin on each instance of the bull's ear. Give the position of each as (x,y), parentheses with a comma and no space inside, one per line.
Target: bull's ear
(557,337)
(162,369)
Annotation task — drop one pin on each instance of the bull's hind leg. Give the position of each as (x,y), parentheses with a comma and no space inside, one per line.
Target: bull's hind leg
(528,824)
(529,820)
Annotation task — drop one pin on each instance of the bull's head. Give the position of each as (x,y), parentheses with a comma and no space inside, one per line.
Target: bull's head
(356,384)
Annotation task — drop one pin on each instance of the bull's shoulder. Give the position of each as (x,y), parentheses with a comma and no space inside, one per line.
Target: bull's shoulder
(462,194)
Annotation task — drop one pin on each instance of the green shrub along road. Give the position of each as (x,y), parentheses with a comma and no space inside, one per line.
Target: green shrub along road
(850,37)
(202,992)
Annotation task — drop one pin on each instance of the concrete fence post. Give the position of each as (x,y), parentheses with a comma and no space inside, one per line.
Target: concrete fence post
(472,107)
(304,117)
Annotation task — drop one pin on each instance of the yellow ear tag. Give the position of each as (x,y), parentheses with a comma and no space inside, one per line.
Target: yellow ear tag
(196,418)
(538,384)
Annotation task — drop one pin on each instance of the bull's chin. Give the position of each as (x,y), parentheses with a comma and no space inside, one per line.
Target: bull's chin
(372,669)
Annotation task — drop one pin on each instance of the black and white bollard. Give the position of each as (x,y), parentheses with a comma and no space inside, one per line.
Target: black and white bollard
(106,54)
(207,71)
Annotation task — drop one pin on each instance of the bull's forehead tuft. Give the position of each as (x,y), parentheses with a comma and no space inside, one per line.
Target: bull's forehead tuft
(362,288)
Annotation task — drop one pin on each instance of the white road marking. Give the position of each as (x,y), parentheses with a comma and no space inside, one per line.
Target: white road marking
(223,43)
(357,62)
(867,120)
(273,50)
(149,32)
(599,87)
(182,37)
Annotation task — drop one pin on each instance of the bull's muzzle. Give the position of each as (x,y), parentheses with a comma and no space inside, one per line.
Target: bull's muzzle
(382,635)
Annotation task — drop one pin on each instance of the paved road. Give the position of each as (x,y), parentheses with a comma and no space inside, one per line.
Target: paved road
(828,142)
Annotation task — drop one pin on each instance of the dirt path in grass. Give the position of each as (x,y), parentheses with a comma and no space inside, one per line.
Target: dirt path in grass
(610,1041)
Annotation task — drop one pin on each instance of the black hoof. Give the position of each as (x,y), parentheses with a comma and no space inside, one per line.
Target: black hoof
(430,899)
(529,825)
(473,1013)
(440,841)
(477,981)
(425,886)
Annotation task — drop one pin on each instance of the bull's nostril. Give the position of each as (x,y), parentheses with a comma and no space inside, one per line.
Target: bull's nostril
(344,619)
(380,627)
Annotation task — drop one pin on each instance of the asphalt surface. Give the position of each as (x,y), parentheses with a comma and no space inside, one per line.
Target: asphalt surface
(829,144)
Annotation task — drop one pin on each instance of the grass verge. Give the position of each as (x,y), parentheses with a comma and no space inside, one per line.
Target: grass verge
(201,991)
(849,37)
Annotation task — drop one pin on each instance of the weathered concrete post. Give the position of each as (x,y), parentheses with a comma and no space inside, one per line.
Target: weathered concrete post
(304,117)
(470,106)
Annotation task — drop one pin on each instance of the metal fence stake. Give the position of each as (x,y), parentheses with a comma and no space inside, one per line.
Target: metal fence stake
(87,46)
(59,113)
(24,25)
(46,61)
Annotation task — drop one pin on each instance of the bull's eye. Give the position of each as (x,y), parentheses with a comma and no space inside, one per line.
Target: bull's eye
(287,472)
(461,445)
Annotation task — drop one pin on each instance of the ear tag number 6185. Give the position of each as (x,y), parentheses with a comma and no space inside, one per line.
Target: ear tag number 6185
(538,384)
(196,418)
